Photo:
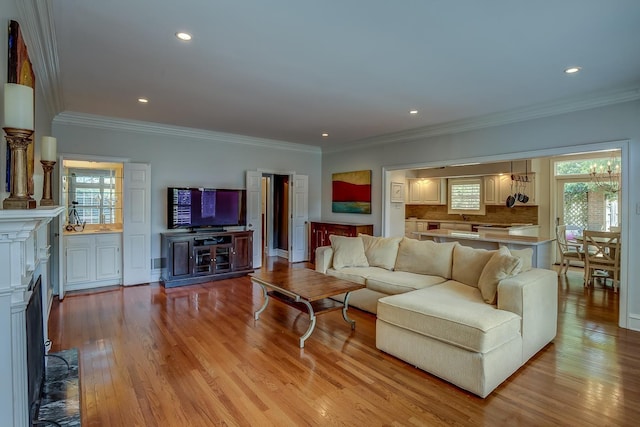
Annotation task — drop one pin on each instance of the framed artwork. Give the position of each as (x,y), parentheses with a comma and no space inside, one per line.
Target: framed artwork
(397,192)
(19,71)
(351,192)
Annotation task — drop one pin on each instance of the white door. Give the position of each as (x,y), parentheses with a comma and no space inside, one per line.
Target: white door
(136,236)
(299,232)
(61,255)
(254,213)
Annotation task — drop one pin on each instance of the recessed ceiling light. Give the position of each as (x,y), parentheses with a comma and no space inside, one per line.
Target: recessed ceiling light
(184,36)
(143,100)
(325,135)
(413,112)
(572,70)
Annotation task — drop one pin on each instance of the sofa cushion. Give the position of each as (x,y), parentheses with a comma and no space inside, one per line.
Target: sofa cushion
(500,266)
(526,255)
(381,251)
(397,282)
(425,257)
(348,252)
(468,264)
(355,274)
(347,273)
(451,312)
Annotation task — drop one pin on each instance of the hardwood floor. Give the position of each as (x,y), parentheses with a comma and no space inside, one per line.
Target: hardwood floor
(194,356)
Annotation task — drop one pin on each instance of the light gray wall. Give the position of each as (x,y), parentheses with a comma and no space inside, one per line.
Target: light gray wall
(185,161)
(610,123)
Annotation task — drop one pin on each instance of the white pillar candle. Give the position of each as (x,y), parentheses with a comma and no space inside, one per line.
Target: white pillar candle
(18,106)
(48,149)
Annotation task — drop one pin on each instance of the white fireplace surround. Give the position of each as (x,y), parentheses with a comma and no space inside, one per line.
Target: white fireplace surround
(24,255)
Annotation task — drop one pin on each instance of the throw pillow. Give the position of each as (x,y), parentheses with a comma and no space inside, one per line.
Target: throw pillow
(381,251)
(500,266)
(348,252)
(468,264)
(425,257)
(526,255)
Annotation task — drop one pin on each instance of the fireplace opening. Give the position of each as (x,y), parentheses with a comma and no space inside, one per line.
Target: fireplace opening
(35,349)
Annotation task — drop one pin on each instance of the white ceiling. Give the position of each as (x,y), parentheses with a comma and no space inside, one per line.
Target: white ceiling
(290,69)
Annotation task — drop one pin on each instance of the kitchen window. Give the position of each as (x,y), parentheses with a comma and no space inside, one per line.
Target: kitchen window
(465,196)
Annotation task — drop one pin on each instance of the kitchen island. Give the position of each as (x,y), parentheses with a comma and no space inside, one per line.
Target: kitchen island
(542,247)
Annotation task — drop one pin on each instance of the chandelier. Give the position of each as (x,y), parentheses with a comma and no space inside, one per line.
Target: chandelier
(606,179)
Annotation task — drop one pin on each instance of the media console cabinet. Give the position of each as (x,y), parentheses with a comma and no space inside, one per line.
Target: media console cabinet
(203,256)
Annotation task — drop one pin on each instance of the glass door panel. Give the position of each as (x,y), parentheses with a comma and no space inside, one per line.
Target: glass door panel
(223,259)
(202,260)
(582,206)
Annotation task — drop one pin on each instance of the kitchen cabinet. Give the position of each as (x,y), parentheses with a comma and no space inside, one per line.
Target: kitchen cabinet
(492,190)
(508,187)
(427,191)
(455,226)
(320,232)
(410,227)
(413,225)
(92,260)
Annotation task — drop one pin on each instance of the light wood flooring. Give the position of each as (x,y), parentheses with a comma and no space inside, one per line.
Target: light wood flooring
(194,356)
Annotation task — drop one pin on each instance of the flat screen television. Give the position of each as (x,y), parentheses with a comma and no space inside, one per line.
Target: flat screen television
(205,207)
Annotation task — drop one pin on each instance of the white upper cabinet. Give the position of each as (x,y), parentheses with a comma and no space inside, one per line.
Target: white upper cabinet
(519,185)
(491,190)
(427,191)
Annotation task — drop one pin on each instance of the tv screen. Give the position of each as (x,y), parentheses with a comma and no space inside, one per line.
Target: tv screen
(205,207)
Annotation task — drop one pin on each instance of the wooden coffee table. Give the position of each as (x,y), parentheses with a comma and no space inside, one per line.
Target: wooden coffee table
(307,290)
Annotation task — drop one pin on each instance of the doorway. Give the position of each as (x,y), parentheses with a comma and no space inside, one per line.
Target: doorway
(581,207)
(275,215)
(393,218)
(272,194)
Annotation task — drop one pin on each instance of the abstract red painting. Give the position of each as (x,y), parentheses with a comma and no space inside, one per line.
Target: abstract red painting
(351,192)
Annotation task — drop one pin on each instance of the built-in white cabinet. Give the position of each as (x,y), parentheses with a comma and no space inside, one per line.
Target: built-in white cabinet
(92,260)
(427,191)
(79,268)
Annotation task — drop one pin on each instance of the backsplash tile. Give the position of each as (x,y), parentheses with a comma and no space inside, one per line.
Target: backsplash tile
(494,214)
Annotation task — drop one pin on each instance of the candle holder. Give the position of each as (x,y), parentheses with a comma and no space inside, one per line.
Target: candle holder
(18,141)
(47,166)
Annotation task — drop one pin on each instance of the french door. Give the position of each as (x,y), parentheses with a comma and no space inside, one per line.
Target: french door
(581,206)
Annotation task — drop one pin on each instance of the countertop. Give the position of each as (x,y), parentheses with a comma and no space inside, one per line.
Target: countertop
(484,236)
(476,223)
(92,231)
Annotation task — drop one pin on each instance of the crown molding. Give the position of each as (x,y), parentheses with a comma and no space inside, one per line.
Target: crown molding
(549,109)
(115,124)
(38,31)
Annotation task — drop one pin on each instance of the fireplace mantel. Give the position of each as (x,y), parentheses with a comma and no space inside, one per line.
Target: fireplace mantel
(24,255)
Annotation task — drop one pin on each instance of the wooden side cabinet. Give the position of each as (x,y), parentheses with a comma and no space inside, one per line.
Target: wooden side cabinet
(320,232)
(190,258)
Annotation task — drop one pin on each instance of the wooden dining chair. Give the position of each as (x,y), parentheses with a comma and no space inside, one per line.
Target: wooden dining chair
(603,260)
(568,251)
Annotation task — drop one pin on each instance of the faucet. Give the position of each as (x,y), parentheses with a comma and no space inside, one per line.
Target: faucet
(464,217)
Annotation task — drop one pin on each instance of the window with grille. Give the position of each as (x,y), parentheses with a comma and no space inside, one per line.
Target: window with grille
(465,196)
(94,191)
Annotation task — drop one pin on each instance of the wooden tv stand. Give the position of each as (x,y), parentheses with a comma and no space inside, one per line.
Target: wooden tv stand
(203,256)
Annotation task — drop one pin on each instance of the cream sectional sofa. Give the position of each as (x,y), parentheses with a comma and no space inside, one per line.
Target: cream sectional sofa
(469,316)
